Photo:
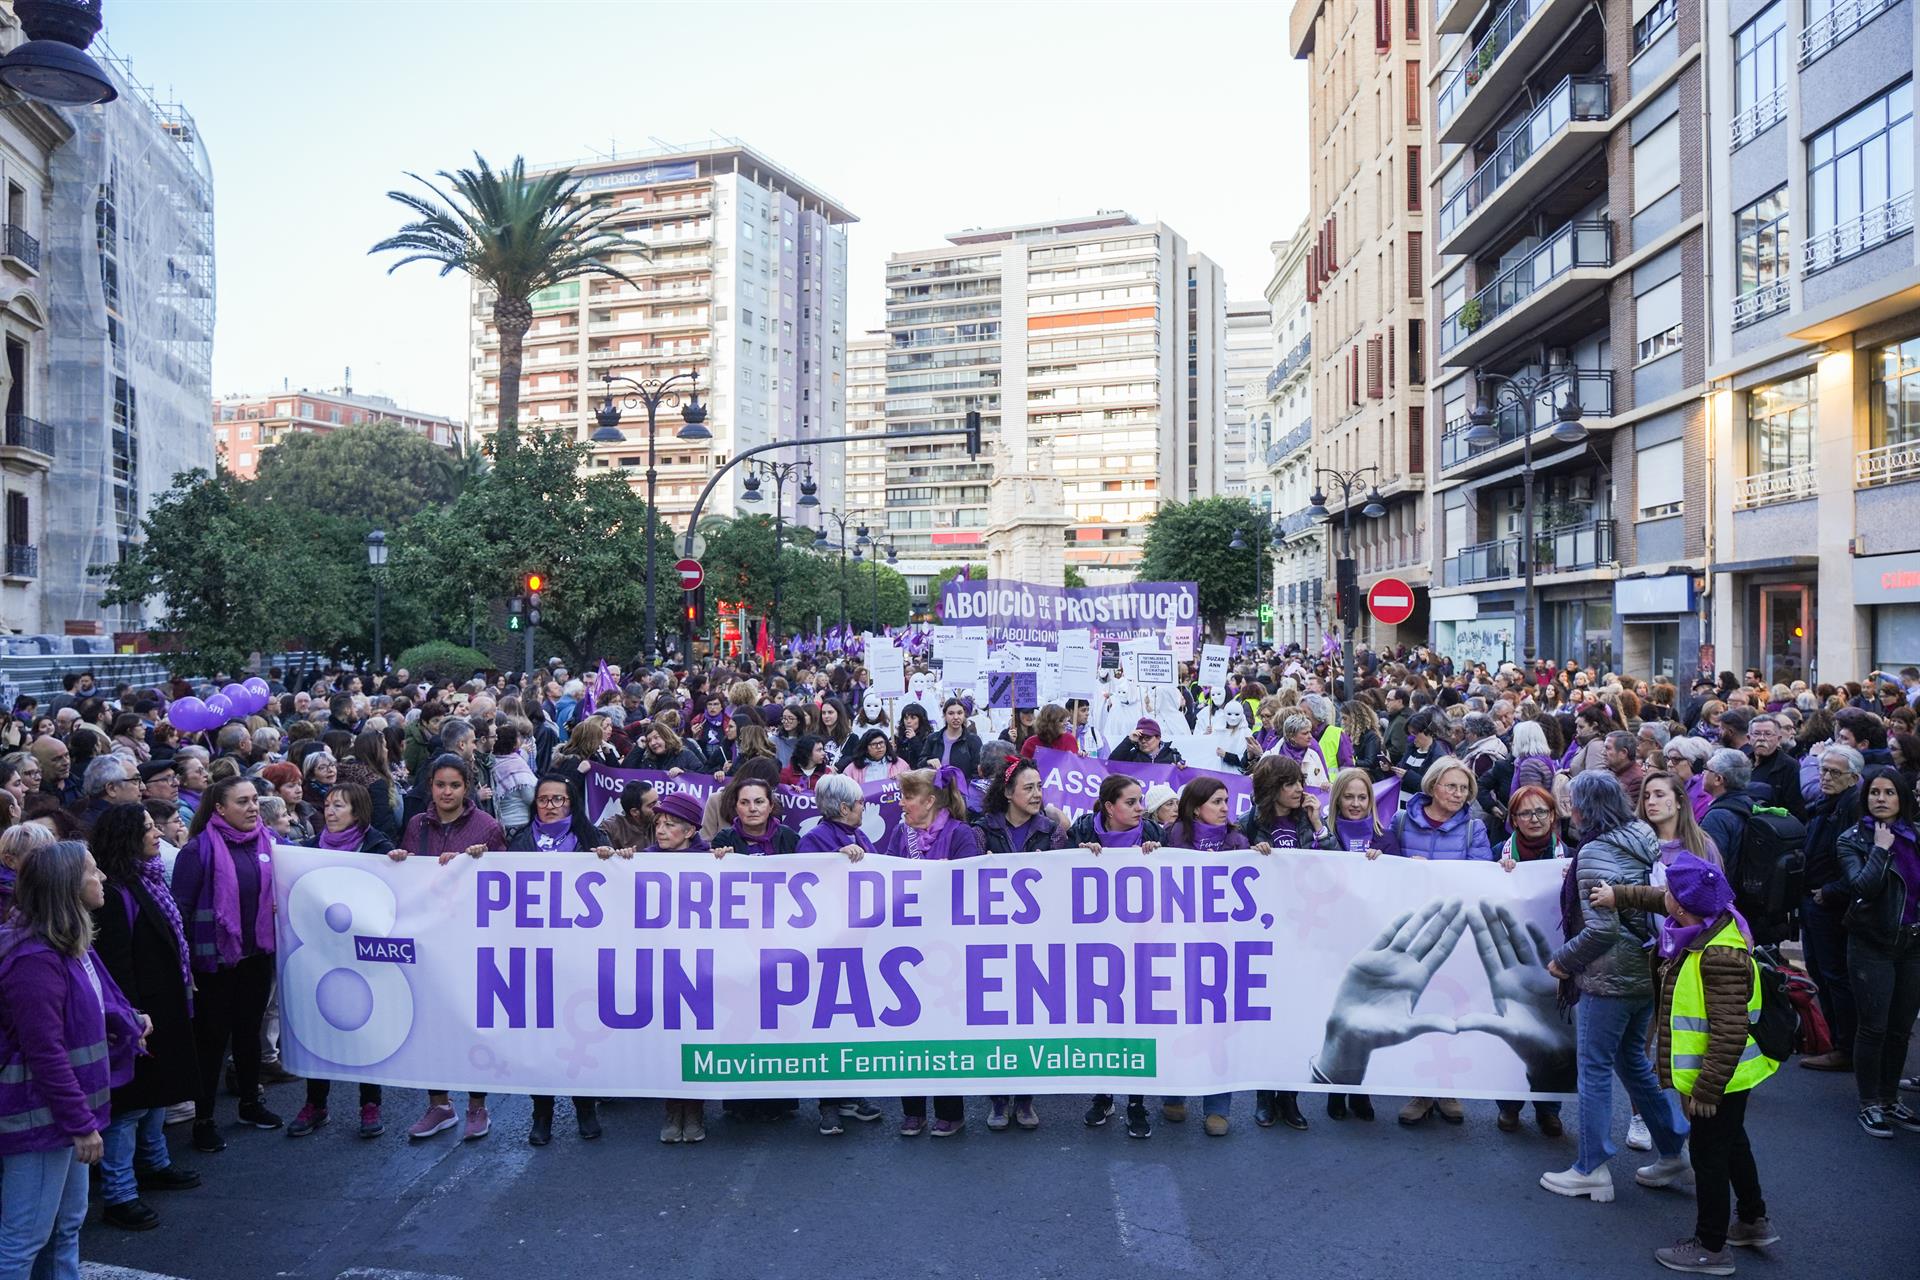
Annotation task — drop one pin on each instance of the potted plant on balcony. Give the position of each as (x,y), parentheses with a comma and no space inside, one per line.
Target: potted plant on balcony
(1471,317)
(1483,59)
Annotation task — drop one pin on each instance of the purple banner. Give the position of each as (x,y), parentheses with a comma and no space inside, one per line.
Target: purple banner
(1015,612)
(796,804)
(1071,783)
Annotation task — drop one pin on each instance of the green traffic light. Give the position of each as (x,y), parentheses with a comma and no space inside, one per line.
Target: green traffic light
(513,622)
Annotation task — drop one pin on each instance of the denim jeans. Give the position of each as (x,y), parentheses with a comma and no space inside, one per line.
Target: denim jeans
(1613,1041)
(1886,989)
(135,1137)
(43,1201)
(1216,1104)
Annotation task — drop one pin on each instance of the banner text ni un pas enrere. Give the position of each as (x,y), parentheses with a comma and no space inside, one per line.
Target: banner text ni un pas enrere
(683,975)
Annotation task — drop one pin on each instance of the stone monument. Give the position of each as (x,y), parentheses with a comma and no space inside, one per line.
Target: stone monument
(1026,519)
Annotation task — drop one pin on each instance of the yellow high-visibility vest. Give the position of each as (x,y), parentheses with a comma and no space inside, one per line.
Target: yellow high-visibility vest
(1330,749)
(1689,1025)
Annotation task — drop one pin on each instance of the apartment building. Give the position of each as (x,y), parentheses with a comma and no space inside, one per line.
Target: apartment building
(1813,290)
(1367,122)
(1285,442)
(1096,344)
(742,281)
(245,426)
(866,416)
(1249,356)
(1569,268)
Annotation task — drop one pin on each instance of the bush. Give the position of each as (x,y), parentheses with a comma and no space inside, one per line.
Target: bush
(438,658)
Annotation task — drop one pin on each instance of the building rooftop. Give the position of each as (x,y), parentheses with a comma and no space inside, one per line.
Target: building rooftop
(1100,221)
(339,395)
(669,163)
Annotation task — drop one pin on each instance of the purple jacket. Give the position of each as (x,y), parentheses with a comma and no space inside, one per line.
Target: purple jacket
(831,837)
(956,840)
(427,834)
(1463,837)
(57,1068)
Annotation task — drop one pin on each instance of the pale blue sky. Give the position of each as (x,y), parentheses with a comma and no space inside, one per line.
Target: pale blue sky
(922,118)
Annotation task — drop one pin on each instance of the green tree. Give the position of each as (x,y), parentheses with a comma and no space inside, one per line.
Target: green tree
(971,572)
(1187,542)
(1073,578)
(514,235)
(377,475)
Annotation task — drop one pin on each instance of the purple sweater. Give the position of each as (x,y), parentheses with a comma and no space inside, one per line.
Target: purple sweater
(61,1051)
(955,840)
(830,837)
(426,834)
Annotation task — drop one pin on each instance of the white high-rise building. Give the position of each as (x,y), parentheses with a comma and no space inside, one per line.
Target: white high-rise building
(1094,346)
(866,416)
(1285,439)
(744,281)
(1250,356)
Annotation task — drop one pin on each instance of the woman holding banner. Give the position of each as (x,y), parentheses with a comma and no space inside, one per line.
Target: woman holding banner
(1204,822)
(750,821)
(1014,817)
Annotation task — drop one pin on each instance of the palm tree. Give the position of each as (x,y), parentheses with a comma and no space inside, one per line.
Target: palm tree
(515,236)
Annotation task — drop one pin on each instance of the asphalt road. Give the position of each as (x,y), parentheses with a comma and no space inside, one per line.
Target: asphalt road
(1347,1199)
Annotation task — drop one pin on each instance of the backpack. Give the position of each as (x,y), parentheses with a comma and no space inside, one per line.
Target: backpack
(1773,873)
(1779,1024)
(1815,1036)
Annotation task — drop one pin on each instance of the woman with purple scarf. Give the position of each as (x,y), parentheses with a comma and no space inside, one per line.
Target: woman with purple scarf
(933,828)
(750,821)
(346,826)
(139,937)
(223,886)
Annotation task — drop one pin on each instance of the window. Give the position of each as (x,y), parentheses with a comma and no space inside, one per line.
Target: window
(1660,472)
(1758,49)
(1656,164)
(1657,320)
(1414,91)
(1780,425)
(1896,394)
(1416,264)
(1761,247)
(1417,352)
(1413,179)
(1859,164)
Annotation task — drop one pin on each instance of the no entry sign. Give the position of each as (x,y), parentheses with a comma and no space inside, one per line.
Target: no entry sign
(1391,601)
(691,574)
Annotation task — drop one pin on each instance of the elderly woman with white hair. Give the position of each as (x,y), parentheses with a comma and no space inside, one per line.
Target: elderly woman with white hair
(1298,744)
(1686,759)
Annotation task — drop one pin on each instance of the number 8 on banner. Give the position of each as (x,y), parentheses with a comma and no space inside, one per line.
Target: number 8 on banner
(341,1008)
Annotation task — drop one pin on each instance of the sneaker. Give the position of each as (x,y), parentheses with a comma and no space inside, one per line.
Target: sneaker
(206,1137)
(130,1215)
(1638,1137)
(168,1178)
(675,1129)
(1099,1112)
(1216,1126)
(913,1126)
(1910,1084)
(1751,1235)
(947,1128)
(479,1123)
(1416,1110)
(309,1118)
(439,1118)
(180,1113)
(1872,1119)
(1596,1186)
(273,1073)
(693,1122)
(1139,1124)
(830,1126)
(1025,1116)
(997,1118)
(258,1116)
(862,1110)
(1903,1115)
(1450,1110)
(1173,1112)
(1673,1172)
(371,1125)
(1691,1255)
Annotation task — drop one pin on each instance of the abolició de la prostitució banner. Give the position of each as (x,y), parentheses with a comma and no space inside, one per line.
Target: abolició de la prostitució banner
(684,975)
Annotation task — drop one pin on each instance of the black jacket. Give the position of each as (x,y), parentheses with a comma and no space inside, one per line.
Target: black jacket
(785,839)
(1129,752)
(1828,819)
(1879,894)
(1780,773)
(585,834)
(688,758)
(140,953)
(1726,821)
(965,755)
(1081,832)
(995,836)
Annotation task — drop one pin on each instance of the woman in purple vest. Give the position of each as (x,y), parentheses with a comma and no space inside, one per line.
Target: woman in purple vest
(67,1038)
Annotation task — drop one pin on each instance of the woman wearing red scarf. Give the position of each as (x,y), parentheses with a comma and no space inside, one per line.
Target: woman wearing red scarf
(223,883)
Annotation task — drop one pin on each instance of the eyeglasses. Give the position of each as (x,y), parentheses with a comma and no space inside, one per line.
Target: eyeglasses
(550,802)
(1827,772)
(1533,813)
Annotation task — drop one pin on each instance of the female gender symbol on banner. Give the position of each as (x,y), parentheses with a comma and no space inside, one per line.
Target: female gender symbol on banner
(1316,888)
(579,1056)
(483,1058)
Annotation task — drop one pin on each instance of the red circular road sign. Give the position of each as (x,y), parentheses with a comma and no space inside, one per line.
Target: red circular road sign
(1390,600)
(691,574)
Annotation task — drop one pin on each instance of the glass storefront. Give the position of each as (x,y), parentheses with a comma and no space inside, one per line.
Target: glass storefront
(1781,636)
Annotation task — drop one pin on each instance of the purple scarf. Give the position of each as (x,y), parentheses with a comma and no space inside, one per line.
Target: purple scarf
(1355,834)
(225,843)
(153,873)
(923,844)
(1131,839)
(1904,862)
(1209,837)
(1675,938)
(555,837)
(761,844)
(348,841)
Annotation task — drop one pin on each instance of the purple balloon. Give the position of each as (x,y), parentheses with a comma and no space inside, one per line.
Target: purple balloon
(186,713)
(236,695)
(222,706)
(258,688)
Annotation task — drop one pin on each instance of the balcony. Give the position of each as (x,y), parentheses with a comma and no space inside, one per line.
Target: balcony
(1294,525)
(1770,110)
(1454,17)
(1857,235)
(1758,303)
(1822,36)
(1886,464)
(1298,438)
(1569,120)
(1593,388)
(17,246)
(1488,78)
(1786,484)
(1295,360)
(23,560)
(29,434)
(1578,253)
(1567,549)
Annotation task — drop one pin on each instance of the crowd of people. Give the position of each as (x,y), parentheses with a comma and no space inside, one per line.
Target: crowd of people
(1698,825)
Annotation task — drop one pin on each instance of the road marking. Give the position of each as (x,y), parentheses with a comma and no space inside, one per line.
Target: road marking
(1152,1222)
(386,1273)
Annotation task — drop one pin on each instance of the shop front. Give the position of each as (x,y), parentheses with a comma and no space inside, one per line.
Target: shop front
(1658,624)
(1470,629)
(1888,589)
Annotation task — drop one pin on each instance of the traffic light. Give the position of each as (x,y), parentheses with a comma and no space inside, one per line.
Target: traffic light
(1347,592)
(535,582)
(973,433)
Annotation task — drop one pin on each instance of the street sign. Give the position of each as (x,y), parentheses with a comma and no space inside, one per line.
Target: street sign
(1391,601)
(691,574)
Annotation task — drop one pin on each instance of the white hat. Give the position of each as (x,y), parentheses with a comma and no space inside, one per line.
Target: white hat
(1158,794)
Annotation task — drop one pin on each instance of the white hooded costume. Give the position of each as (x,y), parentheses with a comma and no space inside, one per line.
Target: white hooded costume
(1233,744)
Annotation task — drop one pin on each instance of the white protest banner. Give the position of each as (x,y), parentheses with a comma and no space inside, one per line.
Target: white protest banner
(1155,668)
(941,635)
(1079,672)
(887,665)
(1180,640)
(961,661)
(1076,638)
(679,975)
(1213,667)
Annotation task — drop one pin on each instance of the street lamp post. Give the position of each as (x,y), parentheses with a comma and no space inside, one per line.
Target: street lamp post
(821,543)
(1262,541)
(1520,393)
(1346,578)
(780,473)
(864,537)
(376,565)
(652,393)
